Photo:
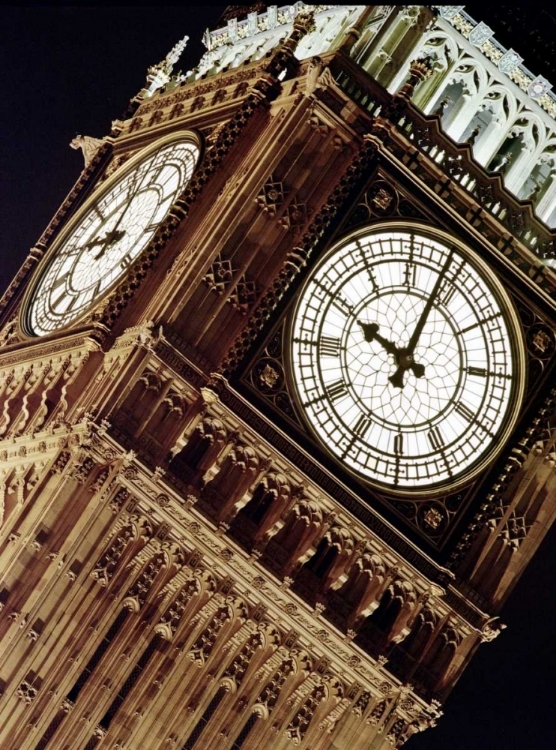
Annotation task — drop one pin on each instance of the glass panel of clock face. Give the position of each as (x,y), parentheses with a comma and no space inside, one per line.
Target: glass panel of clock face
(115,230)
(402,358)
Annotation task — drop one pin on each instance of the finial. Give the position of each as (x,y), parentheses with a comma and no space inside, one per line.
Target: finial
(441,106)
(473,135)
(419,71)
(503,163)
(159,75)
(173,56)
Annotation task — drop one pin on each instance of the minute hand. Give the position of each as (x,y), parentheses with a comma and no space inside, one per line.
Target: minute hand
(425,314)
(115,235)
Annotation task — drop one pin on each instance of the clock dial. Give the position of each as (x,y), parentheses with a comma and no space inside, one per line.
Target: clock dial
(406,359)
(105,239)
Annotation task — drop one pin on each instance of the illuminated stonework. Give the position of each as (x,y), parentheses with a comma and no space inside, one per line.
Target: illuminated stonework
(184,564)
(109,236)
(403,357)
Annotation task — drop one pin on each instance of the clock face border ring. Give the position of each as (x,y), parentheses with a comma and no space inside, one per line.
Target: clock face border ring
(460,261)
(104,236)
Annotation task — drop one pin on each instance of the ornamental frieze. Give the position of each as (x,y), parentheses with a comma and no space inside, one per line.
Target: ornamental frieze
(228,84)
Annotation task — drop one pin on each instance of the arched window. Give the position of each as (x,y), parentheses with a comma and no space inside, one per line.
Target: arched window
(247,727)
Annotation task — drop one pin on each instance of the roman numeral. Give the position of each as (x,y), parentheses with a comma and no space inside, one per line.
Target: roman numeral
(342,304)
(156,176)
(329,346)
(436,439)
(126,260)
(361,426)
(464,411)
(64,296)
(480,371)
(372,279)
(398,444)
(480,322)
(61,297)
(336,390)
(368,267)
(60,280)
(410,275)
(447,294)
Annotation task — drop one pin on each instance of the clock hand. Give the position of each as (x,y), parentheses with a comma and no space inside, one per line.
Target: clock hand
(114,235)
(370,331)
(109,239)
(404,358)
(426,310)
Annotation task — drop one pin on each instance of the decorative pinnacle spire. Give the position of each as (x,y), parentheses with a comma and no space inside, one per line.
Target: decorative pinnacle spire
(419,70)
(167,65)
(159,75)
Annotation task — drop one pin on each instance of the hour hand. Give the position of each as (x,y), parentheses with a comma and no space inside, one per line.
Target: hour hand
(110,239)
(370,331)
(405,362)
(403,357)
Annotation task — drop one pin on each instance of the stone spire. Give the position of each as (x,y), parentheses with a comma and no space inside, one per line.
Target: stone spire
(159,75)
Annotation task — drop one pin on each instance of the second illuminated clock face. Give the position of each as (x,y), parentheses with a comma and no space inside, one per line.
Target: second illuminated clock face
(108,237)
(405,359)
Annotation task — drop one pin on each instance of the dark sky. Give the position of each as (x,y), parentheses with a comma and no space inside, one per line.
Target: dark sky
(73,70)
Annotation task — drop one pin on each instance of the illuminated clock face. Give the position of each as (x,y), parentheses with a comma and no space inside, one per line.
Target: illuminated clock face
(406,358)
(108,237)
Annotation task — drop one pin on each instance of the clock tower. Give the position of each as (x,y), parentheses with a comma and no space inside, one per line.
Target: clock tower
(277,391)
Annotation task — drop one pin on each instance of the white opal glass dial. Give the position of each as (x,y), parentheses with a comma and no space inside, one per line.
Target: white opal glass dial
(103,242)
(405,358)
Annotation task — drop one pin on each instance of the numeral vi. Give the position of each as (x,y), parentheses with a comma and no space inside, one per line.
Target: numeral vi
(436,439)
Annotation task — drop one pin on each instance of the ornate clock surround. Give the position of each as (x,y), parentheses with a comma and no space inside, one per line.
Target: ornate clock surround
(107,190)
(262,380)
(340,366)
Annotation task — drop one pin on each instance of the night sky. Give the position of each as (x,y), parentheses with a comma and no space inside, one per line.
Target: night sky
(73,70)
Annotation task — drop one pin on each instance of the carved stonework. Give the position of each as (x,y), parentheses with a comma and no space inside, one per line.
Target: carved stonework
(88,145)
(220,276)
(200,569)
(272,196)
(306,245)
(241,292)
(26,692)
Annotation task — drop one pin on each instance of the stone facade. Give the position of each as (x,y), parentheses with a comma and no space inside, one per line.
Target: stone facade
(179,569)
